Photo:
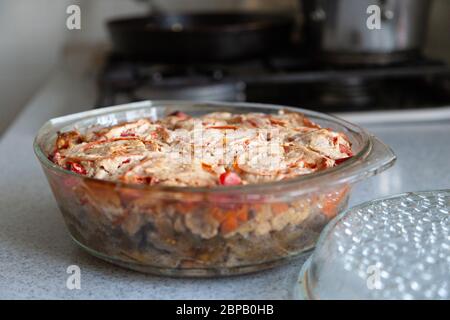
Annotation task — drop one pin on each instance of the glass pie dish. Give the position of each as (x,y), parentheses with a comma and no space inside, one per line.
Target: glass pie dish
(177,231)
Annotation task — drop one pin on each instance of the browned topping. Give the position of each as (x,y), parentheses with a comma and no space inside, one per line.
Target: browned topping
(219,148)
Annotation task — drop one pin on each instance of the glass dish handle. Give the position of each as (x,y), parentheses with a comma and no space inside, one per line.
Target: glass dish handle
(380,157)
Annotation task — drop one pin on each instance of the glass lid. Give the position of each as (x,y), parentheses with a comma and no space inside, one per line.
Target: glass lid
(390,248)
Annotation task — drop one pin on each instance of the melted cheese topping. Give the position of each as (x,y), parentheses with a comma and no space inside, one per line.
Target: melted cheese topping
(179,150)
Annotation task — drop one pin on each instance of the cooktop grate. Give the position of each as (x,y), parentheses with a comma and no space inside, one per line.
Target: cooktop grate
(286,78)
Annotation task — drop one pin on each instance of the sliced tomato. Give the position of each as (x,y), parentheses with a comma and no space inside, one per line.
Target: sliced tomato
(207,167)
(179,114)
(154,135)
(147,180)
(77,168)
(229,179)
(339,161)
(253,123)
(277,122)
(127,133)
(308,123)
(226,127)
(55,158)
(345,149)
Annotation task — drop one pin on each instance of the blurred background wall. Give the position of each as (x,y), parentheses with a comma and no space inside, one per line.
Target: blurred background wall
(33,34)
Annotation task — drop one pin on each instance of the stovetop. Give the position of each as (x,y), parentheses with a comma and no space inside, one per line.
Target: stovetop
(287,78)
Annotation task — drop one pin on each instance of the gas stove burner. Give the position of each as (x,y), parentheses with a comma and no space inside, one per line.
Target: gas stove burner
(233,92)
(125,81)
(200,91)
(352,92)
(178,74)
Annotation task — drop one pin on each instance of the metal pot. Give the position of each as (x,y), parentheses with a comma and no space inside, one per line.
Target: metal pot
(366,31)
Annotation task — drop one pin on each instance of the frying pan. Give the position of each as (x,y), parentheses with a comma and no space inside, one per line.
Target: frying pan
(200,36)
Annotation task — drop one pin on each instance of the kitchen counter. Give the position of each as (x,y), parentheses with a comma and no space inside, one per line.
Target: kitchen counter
(35,247)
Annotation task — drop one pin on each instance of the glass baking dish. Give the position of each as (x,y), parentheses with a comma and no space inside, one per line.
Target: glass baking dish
(181,231)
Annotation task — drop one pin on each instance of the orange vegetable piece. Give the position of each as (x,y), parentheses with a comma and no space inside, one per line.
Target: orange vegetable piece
(279,208)
(229,224)
(331,204)
(276,122)
(218,214)
(242,214)
(236,166)
(207,167)
(185,207)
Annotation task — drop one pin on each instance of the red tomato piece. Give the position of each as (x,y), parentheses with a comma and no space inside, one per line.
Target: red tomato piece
(339,161)
(127,133)
(77,168)
(344,149)
(229,179)
(179,114)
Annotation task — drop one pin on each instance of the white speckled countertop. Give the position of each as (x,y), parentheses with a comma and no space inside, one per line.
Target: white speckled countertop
(35,248)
